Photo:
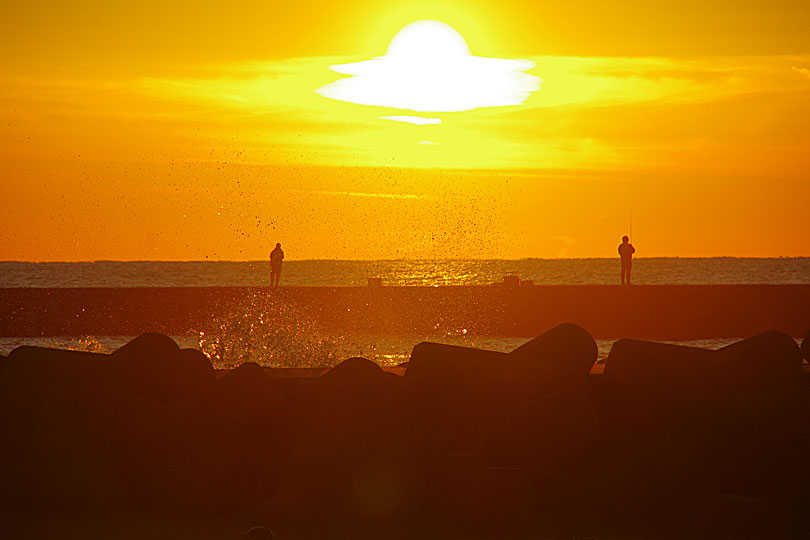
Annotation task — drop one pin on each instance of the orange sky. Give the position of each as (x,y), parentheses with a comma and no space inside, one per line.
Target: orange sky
(177,133)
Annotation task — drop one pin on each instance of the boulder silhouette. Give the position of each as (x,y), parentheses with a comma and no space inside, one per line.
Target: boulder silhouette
(70,462)
(545,437)
(451,397)
(312,487)
(652,384)
(150,454)
(147,347)
(152,366)
(385,488)
(427,355)
(464,496)
(643,487)
(560,357)
(766,360)
(28,376)
(754,444)
(806,346)
(357,377)
(219,450)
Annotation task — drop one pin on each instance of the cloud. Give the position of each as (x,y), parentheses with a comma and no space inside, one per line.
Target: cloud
(369,195)
(804,72)
(428,68)
(416,120)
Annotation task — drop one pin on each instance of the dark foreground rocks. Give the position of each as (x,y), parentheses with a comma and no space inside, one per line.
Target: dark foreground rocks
(667,441)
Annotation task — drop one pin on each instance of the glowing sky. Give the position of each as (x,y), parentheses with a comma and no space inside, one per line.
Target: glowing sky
(428,68)
(161,132)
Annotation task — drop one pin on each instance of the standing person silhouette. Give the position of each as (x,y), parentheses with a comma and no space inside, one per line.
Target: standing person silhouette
(626,251)
(276,258)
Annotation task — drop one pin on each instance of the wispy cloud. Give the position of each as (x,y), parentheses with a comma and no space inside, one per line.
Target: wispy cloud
(592,113)
(358,194)
(415,120)
(804,72)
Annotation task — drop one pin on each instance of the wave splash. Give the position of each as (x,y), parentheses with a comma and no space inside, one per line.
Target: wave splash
(272,333)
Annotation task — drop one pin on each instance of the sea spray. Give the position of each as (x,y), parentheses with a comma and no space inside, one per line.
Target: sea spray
(273,333)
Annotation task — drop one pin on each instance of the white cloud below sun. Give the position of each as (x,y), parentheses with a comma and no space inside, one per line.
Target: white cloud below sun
(428,68)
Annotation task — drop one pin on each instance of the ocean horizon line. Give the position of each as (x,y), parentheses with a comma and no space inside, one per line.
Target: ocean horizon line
(448,259)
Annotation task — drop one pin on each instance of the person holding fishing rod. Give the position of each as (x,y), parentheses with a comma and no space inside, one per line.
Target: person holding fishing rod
(626,251)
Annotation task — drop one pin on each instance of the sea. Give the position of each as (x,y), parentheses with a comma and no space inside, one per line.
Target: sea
(281,348)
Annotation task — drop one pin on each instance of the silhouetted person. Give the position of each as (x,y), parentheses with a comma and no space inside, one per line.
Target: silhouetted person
(276,258)
(626,251)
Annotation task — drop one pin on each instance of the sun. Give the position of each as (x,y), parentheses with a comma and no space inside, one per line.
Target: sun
(428,67)
(427,41)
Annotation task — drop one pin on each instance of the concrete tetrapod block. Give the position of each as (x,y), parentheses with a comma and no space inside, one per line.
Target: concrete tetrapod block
(559,358)
(154,367)
(754,444)
(385,489)
(357,377)
(218,451)
(28,376)
(653,384)
(70,464)
(427,355)
(452,396)
(767,360)
(547,438)
(235,434)
(464,496)
(313,482)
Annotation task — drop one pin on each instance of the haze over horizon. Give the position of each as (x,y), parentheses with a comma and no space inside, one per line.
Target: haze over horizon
(160,132)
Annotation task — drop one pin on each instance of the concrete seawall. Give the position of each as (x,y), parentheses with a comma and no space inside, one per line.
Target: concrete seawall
(664,312)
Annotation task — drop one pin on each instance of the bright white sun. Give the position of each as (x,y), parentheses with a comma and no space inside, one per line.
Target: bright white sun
(429,68)
(427,40)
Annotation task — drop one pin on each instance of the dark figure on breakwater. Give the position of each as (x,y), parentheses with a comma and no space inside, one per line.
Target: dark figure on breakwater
(626,251)
(276,258)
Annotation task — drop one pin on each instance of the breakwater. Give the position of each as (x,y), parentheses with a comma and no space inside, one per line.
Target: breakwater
(664,312)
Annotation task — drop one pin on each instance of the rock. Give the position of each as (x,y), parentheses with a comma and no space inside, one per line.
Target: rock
(259,532)
(385,488)
(220,450)
(451,397)
(733,516)
(806,346)
(29,375)
(340,478)
(357,377)
(70,462)
(466,497)
(428,355)
(651,385)
(246,428)
(768,360)
(559,359)
(754,444)
(152,366)
(312,487)
(148,453)
(149,346)
(546,437)
(642,488)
